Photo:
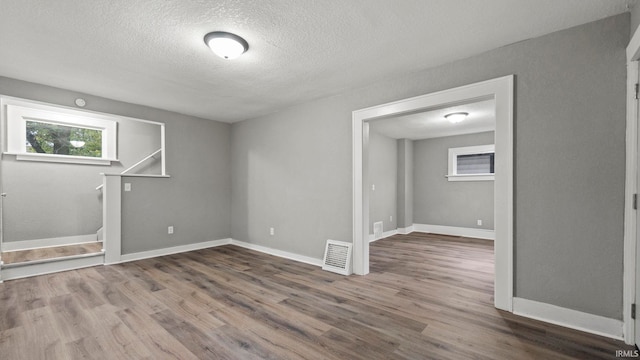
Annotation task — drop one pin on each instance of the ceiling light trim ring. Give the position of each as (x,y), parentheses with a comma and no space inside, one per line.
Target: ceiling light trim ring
(456,117)
(226,35)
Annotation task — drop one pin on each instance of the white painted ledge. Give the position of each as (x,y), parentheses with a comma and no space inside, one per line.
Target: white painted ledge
(24,270)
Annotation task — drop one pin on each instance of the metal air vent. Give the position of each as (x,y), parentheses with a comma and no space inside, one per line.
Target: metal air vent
(377,230)
(337,257)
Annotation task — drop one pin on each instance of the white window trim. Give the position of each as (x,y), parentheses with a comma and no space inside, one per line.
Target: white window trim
(453,175)
(17,112)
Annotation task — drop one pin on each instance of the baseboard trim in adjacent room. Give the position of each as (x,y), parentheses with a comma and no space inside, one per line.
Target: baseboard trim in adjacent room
(385,234)
(569,318)
(280,253)
(173,250)
(456,231)
(407,230)
(49,242)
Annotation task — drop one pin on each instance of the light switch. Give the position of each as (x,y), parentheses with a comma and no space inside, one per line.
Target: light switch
(127,186)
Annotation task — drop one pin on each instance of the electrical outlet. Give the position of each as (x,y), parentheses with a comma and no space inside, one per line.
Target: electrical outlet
(479,222)
(272,231)
(391,218)
(373,187)
(170,230)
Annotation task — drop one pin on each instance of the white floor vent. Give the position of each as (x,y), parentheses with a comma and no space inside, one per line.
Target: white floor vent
(337,257)
(377,230)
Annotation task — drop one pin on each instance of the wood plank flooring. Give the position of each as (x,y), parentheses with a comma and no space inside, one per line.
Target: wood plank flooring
(13,257)
(427,297)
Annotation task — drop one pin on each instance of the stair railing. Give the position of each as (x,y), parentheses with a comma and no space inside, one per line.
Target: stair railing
(126,171)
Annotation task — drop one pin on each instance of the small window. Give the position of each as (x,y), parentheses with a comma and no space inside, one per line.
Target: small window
(475,164)
(472,163)
(39,132)
(45,138)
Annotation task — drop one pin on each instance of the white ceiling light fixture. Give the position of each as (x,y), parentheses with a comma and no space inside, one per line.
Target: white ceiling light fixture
(456,117)
(226,45)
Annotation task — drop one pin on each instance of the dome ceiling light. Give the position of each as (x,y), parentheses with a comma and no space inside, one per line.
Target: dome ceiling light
(226,45)
(456,117)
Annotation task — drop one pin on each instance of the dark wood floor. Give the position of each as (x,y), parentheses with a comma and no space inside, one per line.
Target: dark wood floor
(428,297)
(13,257)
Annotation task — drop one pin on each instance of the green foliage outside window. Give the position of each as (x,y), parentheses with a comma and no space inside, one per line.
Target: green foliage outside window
(48,138)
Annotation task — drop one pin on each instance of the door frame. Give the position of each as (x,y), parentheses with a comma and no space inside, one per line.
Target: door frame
(631,188)
(501,89)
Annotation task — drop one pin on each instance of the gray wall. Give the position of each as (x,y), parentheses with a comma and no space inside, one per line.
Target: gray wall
(405,183)
(288,173)
(292,169)
(438,201)
(196,199)
(383,172)
(635,18)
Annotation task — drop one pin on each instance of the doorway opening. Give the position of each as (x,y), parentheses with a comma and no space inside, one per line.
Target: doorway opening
(501,91)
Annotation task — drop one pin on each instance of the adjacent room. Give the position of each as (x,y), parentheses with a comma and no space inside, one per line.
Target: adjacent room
(319,180)
(432,171)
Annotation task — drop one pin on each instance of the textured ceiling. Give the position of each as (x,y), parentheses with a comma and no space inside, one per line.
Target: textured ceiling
(151,52)
(432,124)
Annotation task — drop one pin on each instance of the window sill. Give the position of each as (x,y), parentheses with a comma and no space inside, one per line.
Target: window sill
(80,160)
(471,177)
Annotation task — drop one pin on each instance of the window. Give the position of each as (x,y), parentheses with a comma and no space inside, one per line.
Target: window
(475,164)
(39,132)
(45,138)
(471,163)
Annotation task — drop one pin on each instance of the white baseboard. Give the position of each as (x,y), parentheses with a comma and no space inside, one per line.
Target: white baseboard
(407,230)
(280,253)
(214,243)
(385,234)
(572,319)
(456,231)
(16,273)
(173,250)
(50,242)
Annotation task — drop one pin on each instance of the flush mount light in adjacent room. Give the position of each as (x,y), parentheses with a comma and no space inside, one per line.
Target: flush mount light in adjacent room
(456,117)
(226,45)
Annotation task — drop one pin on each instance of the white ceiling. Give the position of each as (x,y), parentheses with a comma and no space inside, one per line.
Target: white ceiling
(151,52)
(432,124)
